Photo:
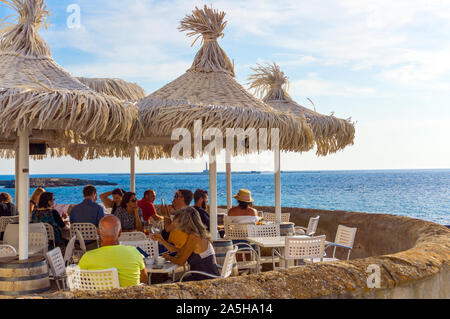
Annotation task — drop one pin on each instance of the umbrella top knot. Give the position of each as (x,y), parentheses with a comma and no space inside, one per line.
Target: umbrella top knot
(270,81)
(22,37)
(206,23)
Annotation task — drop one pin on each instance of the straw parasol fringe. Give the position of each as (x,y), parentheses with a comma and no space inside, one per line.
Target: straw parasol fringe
(208,24)
(165,115)
(331,134)
(93,115)
(115,87)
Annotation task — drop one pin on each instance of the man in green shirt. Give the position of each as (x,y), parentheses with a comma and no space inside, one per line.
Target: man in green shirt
(128,260)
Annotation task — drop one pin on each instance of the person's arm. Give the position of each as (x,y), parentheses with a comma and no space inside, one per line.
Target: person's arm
(138,216)
(165,243)
(185,252)
(31,207)
(108,202)
(154,215)
(144,276)
(58,219)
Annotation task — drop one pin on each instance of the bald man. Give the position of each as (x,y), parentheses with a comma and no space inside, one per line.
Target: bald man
(128,260)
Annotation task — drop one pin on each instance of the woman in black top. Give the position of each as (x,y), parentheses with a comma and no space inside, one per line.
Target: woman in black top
(46,214)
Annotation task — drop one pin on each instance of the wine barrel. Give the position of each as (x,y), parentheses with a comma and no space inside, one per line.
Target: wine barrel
(287,229)
(221,247)
(23,277)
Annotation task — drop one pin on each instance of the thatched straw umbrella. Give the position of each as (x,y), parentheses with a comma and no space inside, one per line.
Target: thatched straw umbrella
(209,92)
(331,134)
(39,98)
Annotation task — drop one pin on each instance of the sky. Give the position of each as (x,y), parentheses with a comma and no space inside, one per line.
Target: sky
(383,63)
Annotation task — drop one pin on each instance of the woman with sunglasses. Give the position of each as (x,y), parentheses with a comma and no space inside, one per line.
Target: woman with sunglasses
(129,213)
(45,213)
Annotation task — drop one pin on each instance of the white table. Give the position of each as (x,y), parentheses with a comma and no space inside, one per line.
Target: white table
(168,268)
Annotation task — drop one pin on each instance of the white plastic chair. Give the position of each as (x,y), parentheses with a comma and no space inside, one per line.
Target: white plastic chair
(68,254)
(301,248)
(269,230)
(7,251)
(236,231)
(50,233)
(239,232)
(88,231)
(271,217)
(93,280)
(37,243)
(345,238)
(57,267)
(132,236)
(312,227)
(149,246)
(78,253)
(227,267)
(5,220)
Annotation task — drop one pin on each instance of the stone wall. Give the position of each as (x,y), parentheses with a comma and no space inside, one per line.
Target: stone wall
(413,257)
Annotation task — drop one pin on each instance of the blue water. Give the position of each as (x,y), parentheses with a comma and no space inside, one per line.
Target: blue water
(423,194)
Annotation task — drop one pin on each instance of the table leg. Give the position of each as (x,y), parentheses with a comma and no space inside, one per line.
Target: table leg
(149,278)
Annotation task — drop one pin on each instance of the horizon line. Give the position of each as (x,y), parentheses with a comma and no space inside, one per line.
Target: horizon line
(241,171)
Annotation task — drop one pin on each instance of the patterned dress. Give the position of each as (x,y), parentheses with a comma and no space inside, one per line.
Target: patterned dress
(127,220)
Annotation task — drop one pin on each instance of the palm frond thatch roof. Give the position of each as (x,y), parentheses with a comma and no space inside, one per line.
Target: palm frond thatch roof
(36,93)
(209,92)
(331,134)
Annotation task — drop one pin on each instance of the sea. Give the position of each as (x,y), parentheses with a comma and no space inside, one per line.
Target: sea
(423,194)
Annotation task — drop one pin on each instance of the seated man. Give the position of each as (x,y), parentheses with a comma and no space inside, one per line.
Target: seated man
(181,199)
(88,211)
(126,259)
(201,200)
(148,208)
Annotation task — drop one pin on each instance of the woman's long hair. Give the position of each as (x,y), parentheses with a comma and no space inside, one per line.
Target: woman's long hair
(5,198)
(189,222)
(37,192)
(244,205)
(45,199)
(126,199)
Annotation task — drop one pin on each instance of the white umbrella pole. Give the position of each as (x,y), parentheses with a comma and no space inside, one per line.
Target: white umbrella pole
(213,197)
(229,188)
(24,189)
(16,174)
(277,186)
(133,170)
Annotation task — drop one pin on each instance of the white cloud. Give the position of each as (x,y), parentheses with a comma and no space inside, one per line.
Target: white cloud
(315,86)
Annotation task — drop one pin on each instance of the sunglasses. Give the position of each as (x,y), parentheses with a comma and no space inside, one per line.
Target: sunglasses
(133,200)
(178,196)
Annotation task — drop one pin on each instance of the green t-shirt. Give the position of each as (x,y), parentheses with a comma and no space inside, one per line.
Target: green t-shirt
(127,259)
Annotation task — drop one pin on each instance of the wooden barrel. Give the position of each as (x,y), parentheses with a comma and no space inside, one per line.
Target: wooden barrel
(221,247)
(23,277)
(287,229)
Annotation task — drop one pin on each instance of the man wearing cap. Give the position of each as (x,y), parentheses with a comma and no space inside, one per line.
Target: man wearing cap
(243,213)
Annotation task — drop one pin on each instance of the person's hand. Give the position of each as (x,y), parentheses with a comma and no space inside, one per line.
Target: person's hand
(165,211)
(166,256)
(156,237)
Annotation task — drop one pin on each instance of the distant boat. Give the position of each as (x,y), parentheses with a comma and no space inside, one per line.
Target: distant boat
(206,171)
